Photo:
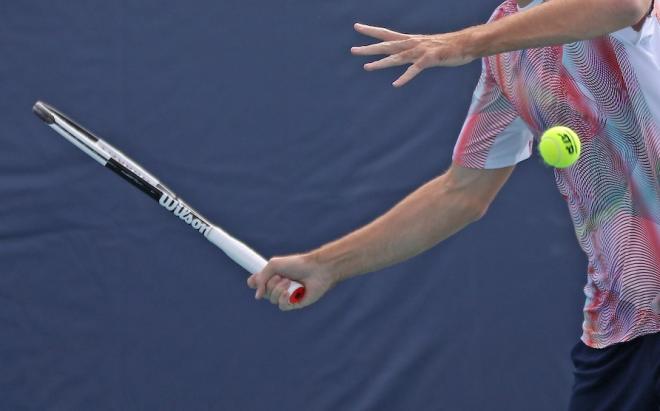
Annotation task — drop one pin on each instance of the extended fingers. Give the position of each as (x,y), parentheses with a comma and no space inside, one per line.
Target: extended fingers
(379,32)
(399,59)
(410,74)
(386,47)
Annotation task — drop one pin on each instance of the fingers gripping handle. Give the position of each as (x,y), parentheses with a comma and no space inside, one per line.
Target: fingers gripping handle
(249,259)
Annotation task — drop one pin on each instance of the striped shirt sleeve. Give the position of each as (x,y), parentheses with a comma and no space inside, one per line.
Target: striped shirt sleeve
(494,135)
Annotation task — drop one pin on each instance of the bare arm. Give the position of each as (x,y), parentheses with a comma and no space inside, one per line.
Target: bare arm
(557,22)
(429,215)
(551,23)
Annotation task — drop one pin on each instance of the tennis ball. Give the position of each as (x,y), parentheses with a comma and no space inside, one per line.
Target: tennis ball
(560,147)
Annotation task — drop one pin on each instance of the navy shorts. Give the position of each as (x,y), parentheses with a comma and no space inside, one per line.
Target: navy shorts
(622,377)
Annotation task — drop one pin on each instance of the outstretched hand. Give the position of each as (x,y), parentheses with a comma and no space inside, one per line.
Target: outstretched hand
(418,50)
(273,281)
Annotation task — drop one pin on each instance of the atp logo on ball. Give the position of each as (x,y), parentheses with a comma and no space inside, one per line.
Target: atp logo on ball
(184,213)
(560,147)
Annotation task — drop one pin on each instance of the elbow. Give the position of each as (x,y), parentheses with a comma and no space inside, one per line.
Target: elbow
(476,209)
(480,212)
(631,12)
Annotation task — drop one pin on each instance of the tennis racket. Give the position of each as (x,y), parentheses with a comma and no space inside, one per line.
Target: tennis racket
(109,157)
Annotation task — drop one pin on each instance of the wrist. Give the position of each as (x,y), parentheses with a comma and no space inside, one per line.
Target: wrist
(474,42)
(324,262)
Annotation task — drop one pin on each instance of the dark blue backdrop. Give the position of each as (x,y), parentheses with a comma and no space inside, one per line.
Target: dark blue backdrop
(256,113)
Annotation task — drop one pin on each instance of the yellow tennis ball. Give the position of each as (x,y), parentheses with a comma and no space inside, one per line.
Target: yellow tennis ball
(560,147)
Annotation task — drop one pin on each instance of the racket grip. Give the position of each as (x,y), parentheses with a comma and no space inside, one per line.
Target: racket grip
(249,259)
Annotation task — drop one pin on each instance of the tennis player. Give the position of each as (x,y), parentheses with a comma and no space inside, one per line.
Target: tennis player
(593,66)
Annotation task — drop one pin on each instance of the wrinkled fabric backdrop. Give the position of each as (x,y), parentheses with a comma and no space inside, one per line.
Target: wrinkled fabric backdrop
(256,113)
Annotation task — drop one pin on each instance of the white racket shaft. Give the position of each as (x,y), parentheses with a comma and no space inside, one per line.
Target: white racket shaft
(247,258)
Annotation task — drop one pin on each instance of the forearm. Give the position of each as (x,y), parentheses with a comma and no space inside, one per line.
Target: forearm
(432,213)
(555,22)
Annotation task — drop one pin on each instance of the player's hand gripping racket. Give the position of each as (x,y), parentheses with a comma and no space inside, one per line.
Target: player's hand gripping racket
(128,169)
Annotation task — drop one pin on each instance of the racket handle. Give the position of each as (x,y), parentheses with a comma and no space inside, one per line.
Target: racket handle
(249,259)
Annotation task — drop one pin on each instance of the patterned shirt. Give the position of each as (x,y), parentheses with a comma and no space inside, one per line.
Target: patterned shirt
(608,91)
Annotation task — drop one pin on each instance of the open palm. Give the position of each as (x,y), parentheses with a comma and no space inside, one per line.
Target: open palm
(418,50)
